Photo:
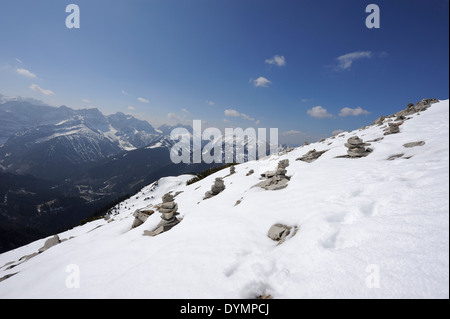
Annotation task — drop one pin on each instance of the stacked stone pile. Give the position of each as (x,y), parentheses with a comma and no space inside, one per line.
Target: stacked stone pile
(357,147)
(168,210)
(216,188)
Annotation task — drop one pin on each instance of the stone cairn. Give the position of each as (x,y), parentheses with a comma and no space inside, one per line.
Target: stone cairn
(275,180)
(216,188)
(356,147)
(168,210)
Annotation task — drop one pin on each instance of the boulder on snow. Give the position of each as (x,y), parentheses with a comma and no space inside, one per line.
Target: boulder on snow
(49,243)
(414,144)
(311,156)
(393,128)
(279,232)
(140,217)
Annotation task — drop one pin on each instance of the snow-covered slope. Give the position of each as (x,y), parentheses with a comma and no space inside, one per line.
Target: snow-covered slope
(367,228)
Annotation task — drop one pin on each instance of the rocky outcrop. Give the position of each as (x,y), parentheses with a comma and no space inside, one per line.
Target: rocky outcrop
(49,243)
(415,108)
(250,172)
(414,144)
(168,210)
(311,156)
(216,188)
(275,180)
(393,128)
(357,147)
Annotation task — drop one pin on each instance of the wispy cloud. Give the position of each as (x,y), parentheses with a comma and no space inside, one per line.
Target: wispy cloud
(86,101)
(26,73)
(131,108)
(346,111)
(142,100)
(234,113)
(38,89)
(261,82)
(337,132)
(210,103)
(124,92)
(184,110)
(278,60)
(19,60)
(345,61)
(319,112)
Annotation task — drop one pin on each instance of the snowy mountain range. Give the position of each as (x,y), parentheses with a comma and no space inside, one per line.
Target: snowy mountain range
(50,142)
(375,226)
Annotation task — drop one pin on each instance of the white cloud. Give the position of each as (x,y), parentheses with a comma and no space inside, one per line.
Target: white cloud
(257,122)
(86,101)
(234,113)
(345,61)
(319,112)
(36,88)
(210,103)
(19,60)
(305,100)
(277,59)
(346,111)
(261,82)
(142,100)
(184,110)
(26,73)
(124,92)
(292,132)
(245,116)
(337,132)
(131,108)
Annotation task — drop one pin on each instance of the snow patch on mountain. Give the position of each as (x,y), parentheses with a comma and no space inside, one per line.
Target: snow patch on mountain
(366,228)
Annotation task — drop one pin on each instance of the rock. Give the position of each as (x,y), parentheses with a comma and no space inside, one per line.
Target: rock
(392,128)
(355,140)
(232,170)
(414,144)
(379,121)
(168,210)
(250,172)
(357,147)
(7,276)
(311,156)
(376,140)
(168,205)
(216,188)
(275,179)
(264,296)
(49,243)
(140,217)
(279,232)
(393,157)
(269,174)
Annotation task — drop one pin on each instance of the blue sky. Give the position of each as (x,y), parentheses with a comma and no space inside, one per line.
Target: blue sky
(305,67)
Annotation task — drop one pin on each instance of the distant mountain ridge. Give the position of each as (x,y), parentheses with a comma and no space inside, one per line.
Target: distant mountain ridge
(40,140)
